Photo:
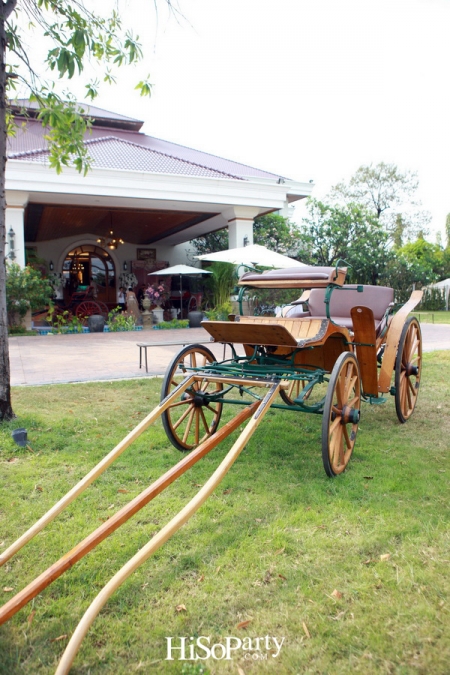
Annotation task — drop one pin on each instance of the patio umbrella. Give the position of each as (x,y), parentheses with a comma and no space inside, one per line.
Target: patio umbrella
(250,256)
(181,270)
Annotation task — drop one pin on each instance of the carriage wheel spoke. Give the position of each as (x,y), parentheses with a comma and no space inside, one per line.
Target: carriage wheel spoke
(337,454)
(403,391)
(350,385)
(189,424)
(351,403)
(340,388)
(335,423)
(205,423)
(197,425)
(347,438)
(183,417)
(178,403)
(408,393)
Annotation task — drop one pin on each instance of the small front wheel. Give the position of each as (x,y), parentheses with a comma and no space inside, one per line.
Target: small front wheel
(341,414)
(408,367)
(195,415)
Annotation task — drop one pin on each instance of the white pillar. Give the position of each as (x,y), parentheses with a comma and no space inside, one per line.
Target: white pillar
(14,220)
(240,225)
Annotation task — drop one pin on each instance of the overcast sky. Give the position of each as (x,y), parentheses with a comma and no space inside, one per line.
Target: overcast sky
(309,89)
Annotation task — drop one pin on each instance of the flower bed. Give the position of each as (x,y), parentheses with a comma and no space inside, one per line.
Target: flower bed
(175,323)
(51,331)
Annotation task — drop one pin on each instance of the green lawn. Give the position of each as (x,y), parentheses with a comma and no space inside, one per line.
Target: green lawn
(432,317)
(353,572)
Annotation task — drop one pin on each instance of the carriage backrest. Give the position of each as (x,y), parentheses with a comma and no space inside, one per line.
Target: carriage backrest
(295,277)
(378,298)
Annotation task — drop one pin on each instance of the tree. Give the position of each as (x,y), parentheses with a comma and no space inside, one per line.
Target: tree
(428,257)
(447,230)
(403,275)
(74,35)
(277,233)
(25,289)
(387,193)
(350,233)
(272,231)
(212,242)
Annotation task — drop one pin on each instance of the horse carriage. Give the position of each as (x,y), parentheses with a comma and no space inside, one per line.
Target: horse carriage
(340,346)
(346,338)
(83,304)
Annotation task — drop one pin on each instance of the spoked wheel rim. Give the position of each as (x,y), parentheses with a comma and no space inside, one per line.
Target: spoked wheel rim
(192,418)
(341,414)
(87,308)
(408,368)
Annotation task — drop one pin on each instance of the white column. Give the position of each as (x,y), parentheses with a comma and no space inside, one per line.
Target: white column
(240,225)
(14,220)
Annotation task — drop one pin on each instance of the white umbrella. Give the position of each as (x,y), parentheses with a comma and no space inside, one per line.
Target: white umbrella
(180,270)
(250,256)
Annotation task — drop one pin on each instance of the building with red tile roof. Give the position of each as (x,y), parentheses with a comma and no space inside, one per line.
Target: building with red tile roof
(141,203)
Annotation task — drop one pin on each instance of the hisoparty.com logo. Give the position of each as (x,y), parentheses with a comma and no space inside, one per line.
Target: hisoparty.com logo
(200,648)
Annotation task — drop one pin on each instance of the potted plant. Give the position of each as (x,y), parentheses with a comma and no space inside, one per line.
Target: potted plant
(157,294)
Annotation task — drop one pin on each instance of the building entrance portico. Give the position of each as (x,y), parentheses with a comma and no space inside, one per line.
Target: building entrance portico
(154,195)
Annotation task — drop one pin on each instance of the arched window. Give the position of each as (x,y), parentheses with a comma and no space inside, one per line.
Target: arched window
(86,263)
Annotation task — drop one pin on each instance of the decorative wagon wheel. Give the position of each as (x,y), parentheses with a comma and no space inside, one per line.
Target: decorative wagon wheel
(87,308)
(408,366)
(341,414)
(193,417)
(192,305)
(103,308)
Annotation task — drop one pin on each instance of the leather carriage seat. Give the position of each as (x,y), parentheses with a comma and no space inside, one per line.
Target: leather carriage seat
(295,277)
(378,298)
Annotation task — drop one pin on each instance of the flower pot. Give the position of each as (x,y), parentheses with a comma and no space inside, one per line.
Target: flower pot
(146,304)
(195,319)
(158,314)
(96,323)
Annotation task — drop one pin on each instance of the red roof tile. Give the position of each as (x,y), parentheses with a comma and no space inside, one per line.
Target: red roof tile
(135,151)
(114,153)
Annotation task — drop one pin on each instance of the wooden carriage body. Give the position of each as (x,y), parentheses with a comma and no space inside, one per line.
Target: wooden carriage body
(340,318)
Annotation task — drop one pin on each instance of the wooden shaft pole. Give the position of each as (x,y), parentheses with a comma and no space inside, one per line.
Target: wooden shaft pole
(164,534)
(94,473)
(80,550)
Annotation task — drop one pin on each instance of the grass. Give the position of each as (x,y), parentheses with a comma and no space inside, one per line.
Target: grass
(352,572)
(427,316)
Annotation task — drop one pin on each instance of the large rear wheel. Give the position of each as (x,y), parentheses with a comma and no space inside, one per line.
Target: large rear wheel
(408,367)
(194,416)
(87,308)
(341,414)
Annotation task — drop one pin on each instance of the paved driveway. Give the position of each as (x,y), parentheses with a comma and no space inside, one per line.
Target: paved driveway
(52,359)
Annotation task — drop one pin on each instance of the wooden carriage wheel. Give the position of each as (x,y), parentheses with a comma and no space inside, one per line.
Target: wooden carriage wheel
(341,414)
(192,305)
(408,367)
(295,388)
(87,308)
(104,311)
(192,418)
